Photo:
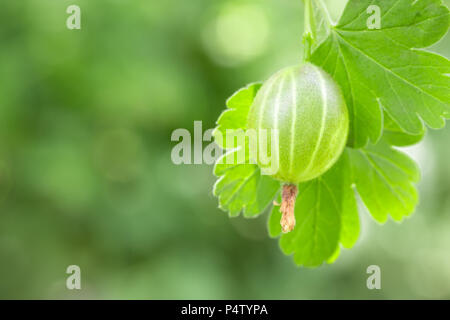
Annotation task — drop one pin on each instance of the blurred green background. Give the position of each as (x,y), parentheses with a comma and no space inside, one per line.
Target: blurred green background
(86,176)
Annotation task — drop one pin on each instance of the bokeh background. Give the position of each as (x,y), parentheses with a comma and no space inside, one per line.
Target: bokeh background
(86,176)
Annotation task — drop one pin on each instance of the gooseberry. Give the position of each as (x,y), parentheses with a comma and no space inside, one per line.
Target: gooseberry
(307,109)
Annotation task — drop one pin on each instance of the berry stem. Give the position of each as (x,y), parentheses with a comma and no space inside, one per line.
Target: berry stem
(309,30)
(289,195)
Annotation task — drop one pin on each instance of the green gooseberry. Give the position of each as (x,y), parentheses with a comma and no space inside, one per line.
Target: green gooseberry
(305,106)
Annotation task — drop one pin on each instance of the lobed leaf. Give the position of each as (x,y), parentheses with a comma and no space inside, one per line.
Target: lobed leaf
(385,179)
(326,215)
(326,210)
(395,136)
(235,116)
(383,70)
(241,186)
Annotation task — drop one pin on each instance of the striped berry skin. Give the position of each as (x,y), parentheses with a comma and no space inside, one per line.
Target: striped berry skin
(307,108)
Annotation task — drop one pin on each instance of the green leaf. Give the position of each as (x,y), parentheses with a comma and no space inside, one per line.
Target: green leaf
(382,70)
(326,215)
(385,178)
(316,234)
(235,116)
(241,186)
(273,224)
(334,256)
(341,180)
(326,210)
(394,135)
